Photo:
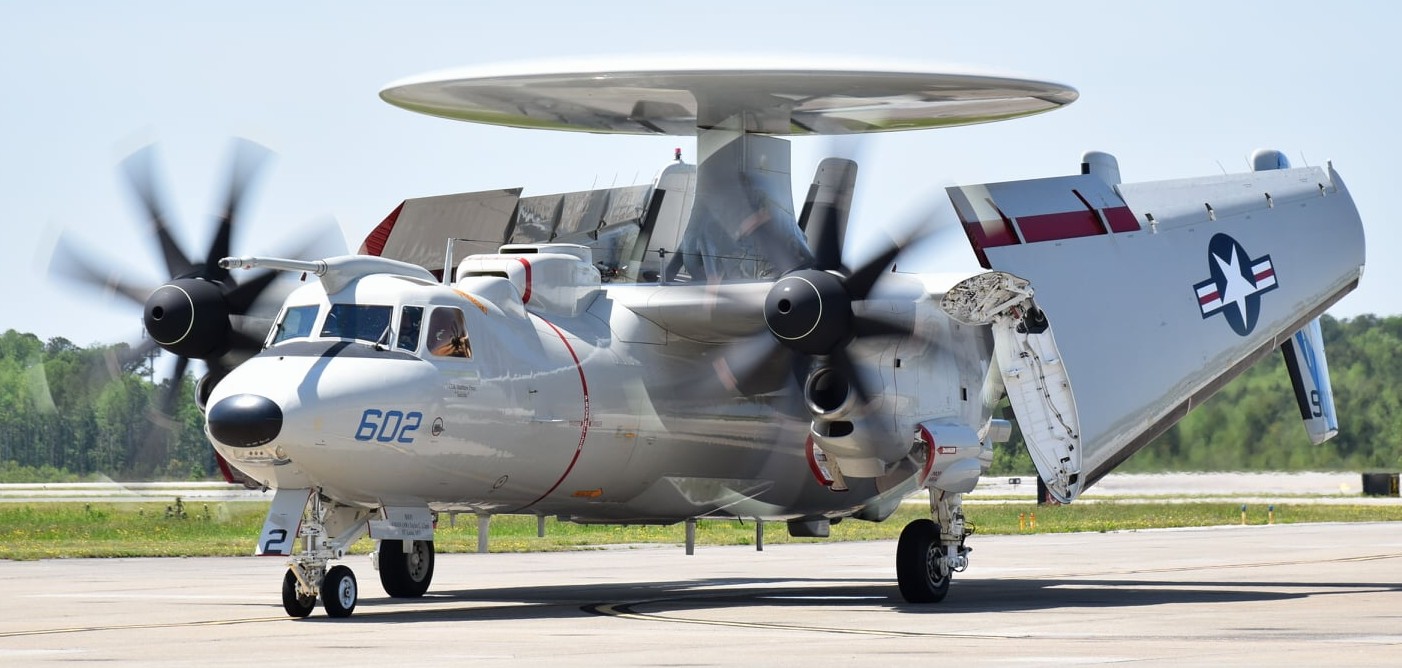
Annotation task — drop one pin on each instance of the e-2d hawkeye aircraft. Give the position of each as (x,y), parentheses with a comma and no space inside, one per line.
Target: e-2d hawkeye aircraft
(698,348)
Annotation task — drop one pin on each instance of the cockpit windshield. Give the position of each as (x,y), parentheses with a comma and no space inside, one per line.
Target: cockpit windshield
(296,323)
(364,322)
(410,320)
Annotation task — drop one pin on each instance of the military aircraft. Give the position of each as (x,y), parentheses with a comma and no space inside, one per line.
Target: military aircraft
(701,348)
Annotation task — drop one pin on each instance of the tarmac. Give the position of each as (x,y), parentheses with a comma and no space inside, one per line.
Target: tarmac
(1301,594)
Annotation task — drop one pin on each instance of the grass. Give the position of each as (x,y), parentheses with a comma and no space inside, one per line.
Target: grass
(69,530)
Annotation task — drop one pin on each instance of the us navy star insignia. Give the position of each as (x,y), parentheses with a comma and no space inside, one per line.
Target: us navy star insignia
(1236,284)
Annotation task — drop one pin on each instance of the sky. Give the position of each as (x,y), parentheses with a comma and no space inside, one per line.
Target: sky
(1173,89)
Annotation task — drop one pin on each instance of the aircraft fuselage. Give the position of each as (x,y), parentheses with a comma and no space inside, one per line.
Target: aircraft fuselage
(600,415)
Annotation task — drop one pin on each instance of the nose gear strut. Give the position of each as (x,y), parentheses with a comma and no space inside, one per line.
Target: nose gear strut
(327,529)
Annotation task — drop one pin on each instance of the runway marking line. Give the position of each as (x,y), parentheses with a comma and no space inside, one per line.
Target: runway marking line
(1261,564)
(361,615)
(133,627)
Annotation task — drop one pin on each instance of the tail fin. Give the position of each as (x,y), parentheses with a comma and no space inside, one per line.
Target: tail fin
(1154,294)
(1309,374)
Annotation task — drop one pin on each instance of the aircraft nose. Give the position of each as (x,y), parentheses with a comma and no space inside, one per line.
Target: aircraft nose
(244,420)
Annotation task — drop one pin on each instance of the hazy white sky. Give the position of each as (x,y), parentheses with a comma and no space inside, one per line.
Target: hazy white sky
(1174,89)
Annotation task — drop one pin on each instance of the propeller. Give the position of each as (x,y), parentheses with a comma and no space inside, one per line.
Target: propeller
(811,311)
(815,312)
(200,312)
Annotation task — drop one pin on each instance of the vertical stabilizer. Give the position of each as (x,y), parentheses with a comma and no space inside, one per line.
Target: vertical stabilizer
(1309,374)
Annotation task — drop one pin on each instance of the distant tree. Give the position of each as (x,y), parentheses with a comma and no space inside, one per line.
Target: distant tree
(70,411)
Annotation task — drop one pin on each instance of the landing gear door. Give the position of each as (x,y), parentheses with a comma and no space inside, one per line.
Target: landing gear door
(1036,381)
(284,518)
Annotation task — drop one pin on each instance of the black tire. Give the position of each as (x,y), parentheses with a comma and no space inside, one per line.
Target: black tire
(918,555)
(406,575)
(339,592)
(295,604)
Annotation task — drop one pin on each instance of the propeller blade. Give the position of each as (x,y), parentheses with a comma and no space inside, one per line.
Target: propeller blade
(825,212)
(247,163)
(165,404)
(860,283)
(243,295)
(754,365)
(244,342)
(69,262)
(319,238)
(118,359)
(872,324)
(843,363)
(218,367)
(141,178)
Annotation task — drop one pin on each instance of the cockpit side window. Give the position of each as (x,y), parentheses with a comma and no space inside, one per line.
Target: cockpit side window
(296,323)
(410,322)
(447,334)
(364,322)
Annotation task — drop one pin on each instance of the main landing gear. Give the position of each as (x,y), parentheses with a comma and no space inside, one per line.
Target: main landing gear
(931,551)
(328,528)
(406,567)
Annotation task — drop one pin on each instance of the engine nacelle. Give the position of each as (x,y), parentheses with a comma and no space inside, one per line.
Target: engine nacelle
(844,429)
(558,279)
(955,457)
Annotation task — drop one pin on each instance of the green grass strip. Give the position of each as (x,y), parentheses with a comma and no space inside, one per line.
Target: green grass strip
(70,530)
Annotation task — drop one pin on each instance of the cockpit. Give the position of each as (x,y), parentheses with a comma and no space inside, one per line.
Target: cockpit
(442,334)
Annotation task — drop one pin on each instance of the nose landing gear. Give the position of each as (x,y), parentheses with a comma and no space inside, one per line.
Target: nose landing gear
(327,529)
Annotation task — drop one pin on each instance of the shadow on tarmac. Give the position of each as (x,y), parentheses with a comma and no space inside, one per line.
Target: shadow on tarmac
(968,596)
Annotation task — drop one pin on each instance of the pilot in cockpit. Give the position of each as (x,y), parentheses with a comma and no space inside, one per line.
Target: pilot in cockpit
(448,335)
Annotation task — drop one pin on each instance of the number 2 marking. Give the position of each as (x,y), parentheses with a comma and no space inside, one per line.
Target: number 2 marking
(275,537)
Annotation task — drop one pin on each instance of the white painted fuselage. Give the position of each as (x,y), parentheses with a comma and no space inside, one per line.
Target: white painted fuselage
(598,415)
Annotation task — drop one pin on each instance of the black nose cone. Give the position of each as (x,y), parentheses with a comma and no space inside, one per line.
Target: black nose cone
(244,420)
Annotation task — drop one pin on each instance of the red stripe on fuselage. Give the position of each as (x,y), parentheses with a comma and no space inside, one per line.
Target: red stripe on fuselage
(526,293)
(584,427)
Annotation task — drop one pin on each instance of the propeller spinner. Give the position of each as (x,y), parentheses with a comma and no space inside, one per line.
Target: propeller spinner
(195,314)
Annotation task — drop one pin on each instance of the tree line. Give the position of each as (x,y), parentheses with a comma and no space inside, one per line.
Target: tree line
(71,412)
(68,412)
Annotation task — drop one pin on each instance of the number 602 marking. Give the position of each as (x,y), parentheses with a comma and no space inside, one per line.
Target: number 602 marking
(388,426)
